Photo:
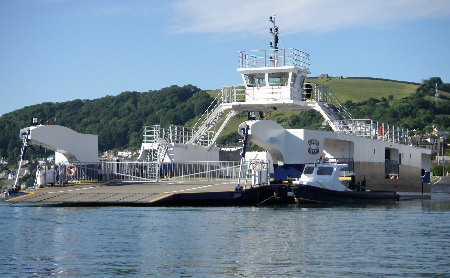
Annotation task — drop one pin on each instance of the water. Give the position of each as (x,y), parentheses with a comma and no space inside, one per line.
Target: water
(407,239)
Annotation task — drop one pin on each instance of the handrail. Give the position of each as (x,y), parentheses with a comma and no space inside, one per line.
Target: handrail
(216,102)
(324,94)
(274,58)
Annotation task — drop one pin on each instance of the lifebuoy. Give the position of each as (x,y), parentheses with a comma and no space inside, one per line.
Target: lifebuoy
(71,170)
(254,166)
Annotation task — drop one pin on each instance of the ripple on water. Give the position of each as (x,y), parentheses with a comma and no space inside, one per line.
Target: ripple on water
(408,239)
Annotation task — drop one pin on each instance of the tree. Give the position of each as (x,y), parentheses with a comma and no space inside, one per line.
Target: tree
(440,170)
(428,87)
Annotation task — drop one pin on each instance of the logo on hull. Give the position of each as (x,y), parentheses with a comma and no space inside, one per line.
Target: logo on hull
(313,146)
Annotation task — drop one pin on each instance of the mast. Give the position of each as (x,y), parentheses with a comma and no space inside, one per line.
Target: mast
(274,32)
(274,42)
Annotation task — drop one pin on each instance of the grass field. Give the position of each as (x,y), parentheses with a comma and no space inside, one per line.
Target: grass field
(358,90)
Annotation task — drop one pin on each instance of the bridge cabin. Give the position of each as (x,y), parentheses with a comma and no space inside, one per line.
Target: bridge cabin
(274,75)
(273,79)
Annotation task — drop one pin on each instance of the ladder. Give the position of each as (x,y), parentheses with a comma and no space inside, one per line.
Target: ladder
(219,131)
(207,122)
(331,109)
(23,150)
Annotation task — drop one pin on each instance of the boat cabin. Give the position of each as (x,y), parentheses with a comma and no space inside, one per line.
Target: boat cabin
(274,74)
(269,79)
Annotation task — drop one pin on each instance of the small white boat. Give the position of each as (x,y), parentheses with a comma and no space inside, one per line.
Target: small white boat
(320,182)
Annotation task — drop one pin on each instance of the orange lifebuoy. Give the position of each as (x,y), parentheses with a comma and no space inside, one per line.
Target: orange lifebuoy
(71,170)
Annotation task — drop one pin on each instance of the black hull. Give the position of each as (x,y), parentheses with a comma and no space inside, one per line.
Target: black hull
(312,194)
(255,196)
(263,195)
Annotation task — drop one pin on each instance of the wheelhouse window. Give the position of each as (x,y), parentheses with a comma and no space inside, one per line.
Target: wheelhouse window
(293,79)
(326,171)
(308,170)
(255,80)
(278,78)
(302,80)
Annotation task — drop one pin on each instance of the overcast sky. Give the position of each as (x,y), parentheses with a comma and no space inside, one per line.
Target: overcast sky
(60,50)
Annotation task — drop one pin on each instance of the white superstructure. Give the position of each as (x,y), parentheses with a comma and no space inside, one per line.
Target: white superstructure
(275,79)
(69,145)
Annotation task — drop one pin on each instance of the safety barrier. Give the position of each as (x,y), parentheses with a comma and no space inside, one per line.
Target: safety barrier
(140,171)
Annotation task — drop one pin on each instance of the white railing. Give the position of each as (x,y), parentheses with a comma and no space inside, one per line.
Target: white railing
(274,58)
(230,94)
(138,171)
(375,130)
(201,171)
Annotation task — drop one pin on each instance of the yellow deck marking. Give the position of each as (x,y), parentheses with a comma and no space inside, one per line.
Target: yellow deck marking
(160,198)
(29,193)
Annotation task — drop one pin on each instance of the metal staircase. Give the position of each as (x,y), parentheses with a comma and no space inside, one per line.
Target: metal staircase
(222,126)
(340,119)
(206,130)
(154,149)
(16,185)
(331,109)
(158,157)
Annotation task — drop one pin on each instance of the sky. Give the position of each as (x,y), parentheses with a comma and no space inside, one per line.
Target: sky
(62,50)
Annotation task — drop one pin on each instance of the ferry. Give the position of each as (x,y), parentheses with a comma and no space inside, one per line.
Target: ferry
(274,79)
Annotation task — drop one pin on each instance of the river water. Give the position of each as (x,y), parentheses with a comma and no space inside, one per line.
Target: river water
(406,239)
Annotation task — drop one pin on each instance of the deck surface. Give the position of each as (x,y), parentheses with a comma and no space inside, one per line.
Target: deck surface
(123,193)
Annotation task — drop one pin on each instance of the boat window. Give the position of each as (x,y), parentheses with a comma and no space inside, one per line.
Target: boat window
(301,80)
(308,170)
(278,78)
(325,171)
(255,79)
(293,79)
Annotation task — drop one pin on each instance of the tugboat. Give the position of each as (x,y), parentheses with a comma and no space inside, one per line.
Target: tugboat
(320,183)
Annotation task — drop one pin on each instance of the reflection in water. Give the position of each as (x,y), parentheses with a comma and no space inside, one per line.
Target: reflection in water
(437,205)
(406,239)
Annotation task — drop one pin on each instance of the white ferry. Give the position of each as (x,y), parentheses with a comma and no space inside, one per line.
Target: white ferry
(274,80)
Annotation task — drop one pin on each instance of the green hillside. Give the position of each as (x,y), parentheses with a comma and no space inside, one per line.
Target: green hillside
(360,89)
(117,120)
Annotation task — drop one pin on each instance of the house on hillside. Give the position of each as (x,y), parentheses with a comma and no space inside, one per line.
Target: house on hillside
(126,153)
(440,132)
(428,141)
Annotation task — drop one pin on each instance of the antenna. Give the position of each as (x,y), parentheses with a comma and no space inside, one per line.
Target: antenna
(274,32)
(436,96)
